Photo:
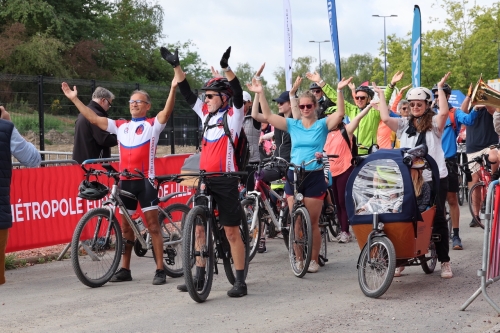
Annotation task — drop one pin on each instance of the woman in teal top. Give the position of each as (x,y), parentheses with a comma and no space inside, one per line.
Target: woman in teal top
(308,136)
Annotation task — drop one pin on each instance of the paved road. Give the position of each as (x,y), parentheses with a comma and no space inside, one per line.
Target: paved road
(49,298)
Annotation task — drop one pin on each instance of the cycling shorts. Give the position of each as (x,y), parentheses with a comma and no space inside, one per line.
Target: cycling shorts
(224,191)
(145,192)
(312,186)
(452,166)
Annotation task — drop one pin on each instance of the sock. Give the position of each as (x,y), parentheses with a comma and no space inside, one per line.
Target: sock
(240,275)
(455,232)
(200,273)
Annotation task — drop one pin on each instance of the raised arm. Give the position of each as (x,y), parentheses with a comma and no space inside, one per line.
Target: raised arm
(269,117)
(255,110)
(169,105)
(442,115)
(392,123)
(354,123)
(91,116)
(294,101)
(336,118)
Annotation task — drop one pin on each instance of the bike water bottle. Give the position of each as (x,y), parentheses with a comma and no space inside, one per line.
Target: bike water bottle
(139,224)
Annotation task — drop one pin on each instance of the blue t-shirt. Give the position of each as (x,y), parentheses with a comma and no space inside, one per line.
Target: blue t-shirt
(306,141)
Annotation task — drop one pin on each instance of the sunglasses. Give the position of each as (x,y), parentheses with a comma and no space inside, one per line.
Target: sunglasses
(360,98)
(210,96)
(316,91)
(404,108)
(436,96)
(280,103)
(138,101)
(306,106)
(416,104)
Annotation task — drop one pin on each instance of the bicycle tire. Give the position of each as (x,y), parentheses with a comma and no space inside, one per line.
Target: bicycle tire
(300,243)
(334,223)
(375,278)
(176,213)
(96,247)
(429,260)
(204,255)
(447,215)
(481,188)
(249,207)
(285,227)
(461,189)
(227,258)
(322,259)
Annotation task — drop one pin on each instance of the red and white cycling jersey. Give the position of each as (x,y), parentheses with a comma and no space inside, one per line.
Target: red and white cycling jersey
(137,140)
(217,153)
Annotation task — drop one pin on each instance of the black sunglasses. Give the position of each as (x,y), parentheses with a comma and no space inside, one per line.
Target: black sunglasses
(210,96)
(360,98)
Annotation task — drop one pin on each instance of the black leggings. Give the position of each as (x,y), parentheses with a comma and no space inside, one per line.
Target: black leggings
(440,225)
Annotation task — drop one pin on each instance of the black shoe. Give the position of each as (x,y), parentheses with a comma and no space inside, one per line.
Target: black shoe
(122,275)
(473,224)
(199,285)
(160,277)
(239,290)
(262,246)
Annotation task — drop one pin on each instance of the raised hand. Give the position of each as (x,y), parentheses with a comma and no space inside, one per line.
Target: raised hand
(70,94)
(225,58)
(261,69)
(469,92)
(441,83)
(343,83)
(215,73)
(405,87)
(255,86)
(314,77)
(397,77)
(296,85)
(377,89)
(352,86)
(171,58)
(174,83)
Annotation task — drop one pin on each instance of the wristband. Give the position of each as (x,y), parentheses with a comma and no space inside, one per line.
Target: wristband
(392,85)
(227,69)
(339,90)
(320,82)
(258,78)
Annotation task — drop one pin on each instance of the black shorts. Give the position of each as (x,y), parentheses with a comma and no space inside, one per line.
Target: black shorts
(313,185)
(452,166)
(145,192)
(224,191)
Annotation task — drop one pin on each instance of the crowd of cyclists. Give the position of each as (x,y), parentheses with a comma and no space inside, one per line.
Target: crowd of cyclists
(318,122)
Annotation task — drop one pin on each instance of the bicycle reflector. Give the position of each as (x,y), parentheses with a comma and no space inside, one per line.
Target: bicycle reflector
(92,190)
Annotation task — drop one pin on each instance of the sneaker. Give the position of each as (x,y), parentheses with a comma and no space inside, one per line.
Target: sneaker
(398,270)
(446,272)
(313,267)
(457,243)
(199,285)
(300,265)
(160,277)
(473,224)
(262,246)
(122,275)
(239,289)
(344,237)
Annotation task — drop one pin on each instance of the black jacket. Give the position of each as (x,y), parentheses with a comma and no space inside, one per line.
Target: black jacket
(6,128)
(90,140)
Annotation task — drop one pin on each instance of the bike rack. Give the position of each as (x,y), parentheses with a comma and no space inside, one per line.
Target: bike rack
(486,281)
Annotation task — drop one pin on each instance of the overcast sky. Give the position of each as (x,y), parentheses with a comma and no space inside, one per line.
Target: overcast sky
(254,28)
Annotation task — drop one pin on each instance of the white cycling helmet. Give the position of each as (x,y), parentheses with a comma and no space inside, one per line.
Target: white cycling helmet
(419,94)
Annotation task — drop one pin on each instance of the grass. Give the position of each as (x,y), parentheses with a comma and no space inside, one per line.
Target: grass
(29,122)
(10,261)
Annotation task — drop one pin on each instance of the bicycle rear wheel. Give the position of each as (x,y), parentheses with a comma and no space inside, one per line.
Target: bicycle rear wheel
(172,225)
(249,206)
(477,202)
(197,251)
(376,277)
(429,261)
(300,249)
(227,258)
(96,247)
(461,188)
(285,226)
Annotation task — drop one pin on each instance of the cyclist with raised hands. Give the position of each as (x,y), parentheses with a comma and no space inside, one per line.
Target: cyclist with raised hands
(217,154)
(137,139)
(308,136)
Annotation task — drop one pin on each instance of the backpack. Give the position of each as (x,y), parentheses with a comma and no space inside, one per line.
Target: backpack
(353,147)
(451,114)
(241,149)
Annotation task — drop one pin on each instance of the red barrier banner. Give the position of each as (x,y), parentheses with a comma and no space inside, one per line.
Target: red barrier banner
(46,208)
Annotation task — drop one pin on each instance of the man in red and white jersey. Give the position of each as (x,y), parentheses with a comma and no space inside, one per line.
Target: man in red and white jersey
(217,154)
(137,139)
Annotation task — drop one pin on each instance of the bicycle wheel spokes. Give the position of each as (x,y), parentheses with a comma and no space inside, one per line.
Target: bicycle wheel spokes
(300,244)
(227,258)
(254,231)
(198,253)
(477,202)
(376,276)
(172,224)
(96,248)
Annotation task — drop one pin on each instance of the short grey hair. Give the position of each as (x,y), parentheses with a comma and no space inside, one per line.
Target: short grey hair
(142,92)
(401,103)
(101,92)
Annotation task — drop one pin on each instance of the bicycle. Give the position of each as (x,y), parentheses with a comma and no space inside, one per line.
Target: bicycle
(205,240)
(97,243)
(463,189)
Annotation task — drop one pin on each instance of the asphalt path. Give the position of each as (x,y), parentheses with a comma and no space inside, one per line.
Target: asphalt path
(49,298)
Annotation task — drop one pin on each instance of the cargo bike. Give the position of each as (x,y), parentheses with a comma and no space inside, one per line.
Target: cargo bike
(382,210)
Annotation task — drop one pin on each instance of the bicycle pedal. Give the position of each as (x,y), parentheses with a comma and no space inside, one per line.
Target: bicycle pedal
(436,237)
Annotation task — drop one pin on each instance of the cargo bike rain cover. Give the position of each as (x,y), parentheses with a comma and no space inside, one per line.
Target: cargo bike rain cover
(382,183)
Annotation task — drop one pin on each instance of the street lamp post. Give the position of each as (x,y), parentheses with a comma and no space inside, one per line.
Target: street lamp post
(385,47)
(319,49)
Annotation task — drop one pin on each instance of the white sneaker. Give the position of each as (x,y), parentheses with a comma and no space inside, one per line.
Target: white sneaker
(299,264)
(344,237)
(397,272)
(446,272)
(313,267)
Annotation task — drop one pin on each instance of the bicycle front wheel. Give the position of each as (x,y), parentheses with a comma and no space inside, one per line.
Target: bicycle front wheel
(477,202)
(227,257)
(254,233)
(96,247)
(197,253)
(376,267)
(172,224)
(300,244)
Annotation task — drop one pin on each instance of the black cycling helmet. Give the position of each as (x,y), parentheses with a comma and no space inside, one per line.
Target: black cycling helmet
(92,190)
(367,90)
(220,84)
(314,85)
(446,88)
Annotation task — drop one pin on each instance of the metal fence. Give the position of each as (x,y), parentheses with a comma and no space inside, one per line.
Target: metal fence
(37,104)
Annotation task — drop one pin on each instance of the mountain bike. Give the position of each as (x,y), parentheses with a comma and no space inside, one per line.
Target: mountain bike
(97,243)
(205,240)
